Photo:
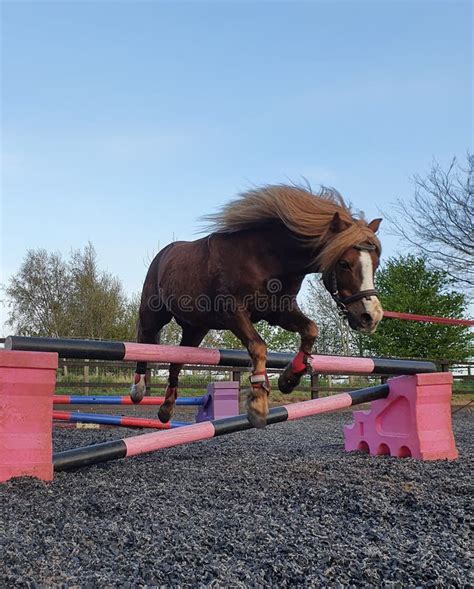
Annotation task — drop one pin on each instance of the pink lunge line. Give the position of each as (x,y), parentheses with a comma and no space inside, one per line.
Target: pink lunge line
(167,439)
(342,365)
(324,405)
(427,318)
(170,354)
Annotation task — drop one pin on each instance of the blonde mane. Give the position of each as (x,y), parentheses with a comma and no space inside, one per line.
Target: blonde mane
(306,214)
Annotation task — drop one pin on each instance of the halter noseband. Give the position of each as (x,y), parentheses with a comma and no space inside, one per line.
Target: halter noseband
(333,289)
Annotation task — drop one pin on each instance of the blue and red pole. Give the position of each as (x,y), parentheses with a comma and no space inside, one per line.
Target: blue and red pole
(120,420)
(122,400)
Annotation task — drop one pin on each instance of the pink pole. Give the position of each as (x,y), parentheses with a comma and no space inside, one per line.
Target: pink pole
(173,437)
(342,365)
(171,354)
(315,406)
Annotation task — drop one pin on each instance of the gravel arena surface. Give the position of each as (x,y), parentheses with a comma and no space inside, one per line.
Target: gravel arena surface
(283,507)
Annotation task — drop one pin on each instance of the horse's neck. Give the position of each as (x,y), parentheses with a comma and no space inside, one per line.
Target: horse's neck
(292,254)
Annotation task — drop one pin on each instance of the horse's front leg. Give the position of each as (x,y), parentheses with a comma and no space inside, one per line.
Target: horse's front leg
(294,320)
(257,397)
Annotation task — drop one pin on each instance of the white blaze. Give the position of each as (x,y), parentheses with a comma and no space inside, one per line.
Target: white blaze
(372,305)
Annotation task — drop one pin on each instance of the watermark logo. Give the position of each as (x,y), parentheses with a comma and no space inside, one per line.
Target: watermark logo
(270,300)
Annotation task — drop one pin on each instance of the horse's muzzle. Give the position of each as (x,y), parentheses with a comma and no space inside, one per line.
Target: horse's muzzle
(364,316)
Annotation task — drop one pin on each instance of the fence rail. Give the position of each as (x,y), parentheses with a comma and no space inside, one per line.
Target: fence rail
(85,375)
(107,377)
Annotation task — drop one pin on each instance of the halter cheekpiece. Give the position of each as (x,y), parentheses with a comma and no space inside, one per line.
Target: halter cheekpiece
(341,302)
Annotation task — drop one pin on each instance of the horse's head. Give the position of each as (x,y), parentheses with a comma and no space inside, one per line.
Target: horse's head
(350,281)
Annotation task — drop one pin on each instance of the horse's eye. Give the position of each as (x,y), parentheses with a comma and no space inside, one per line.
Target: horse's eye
(343,265)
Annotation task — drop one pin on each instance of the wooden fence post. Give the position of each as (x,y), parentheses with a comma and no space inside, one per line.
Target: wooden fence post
(314,386)
(86,375)
(235,376)
(148,382)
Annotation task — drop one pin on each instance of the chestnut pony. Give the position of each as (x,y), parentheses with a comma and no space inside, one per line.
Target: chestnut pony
(250,268)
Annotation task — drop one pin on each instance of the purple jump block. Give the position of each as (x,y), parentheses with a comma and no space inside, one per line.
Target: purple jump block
(221,400)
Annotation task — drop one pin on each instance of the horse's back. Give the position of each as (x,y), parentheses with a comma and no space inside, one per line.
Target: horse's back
(180,266)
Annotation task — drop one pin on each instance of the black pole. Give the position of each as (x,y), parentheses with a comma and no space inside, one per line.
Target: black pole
(97,453)
(68,348)
(109,350)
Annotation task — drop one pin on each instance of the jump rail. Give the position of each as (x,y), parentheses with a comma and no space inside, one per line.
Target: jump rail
(144,443)
(110,350)
(123,400)
(409,416)
(120,420)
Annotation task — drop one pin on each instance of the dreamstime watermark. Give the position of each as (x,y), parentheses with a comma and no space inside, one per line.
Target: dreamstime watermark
(271,301)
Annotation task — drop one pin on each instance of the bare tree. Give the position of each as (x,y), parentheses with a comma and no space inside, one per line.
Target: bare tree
(335,336)
(438,221)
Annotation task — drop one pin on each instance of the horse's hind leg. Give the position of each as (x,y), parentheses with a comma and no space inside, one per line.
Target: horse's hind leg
(191,336)
(149,327)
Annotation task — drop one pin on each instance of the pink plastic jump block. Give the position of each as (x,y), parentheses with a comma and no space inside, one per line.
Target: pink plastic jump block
(27,382)
(414,420)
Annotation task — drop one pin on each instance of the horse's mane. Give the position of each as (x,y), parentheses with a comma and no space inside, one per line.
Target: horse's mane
(303,212)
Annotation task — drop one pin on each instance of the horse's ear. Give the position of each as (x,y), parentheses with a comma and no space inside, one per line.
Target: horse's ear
(338,224)
(375,224)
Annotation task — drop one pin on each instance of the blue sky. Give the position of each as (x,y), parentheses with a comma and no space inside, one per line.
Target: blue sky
(123,122)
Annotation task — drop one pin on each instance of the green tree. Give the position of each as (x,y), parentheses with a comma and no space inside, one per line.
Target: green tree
(38,296)
(406,284)
(276,338)
(171,335)
(98,305)
(127,322)
(57,297)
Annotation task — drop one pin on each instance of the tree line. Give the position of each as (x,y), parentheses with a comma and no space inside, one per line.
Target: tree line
(56,296)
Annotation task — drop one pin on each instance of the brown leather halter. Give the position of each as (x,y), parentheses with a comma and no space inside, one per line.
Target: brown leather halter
(330,282)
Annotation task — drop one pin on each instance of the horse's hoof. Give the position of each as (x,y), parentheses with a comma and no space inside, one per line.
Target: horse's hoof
(288,380)
(164,415)
(137,392)
(256,419)
(257,407)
